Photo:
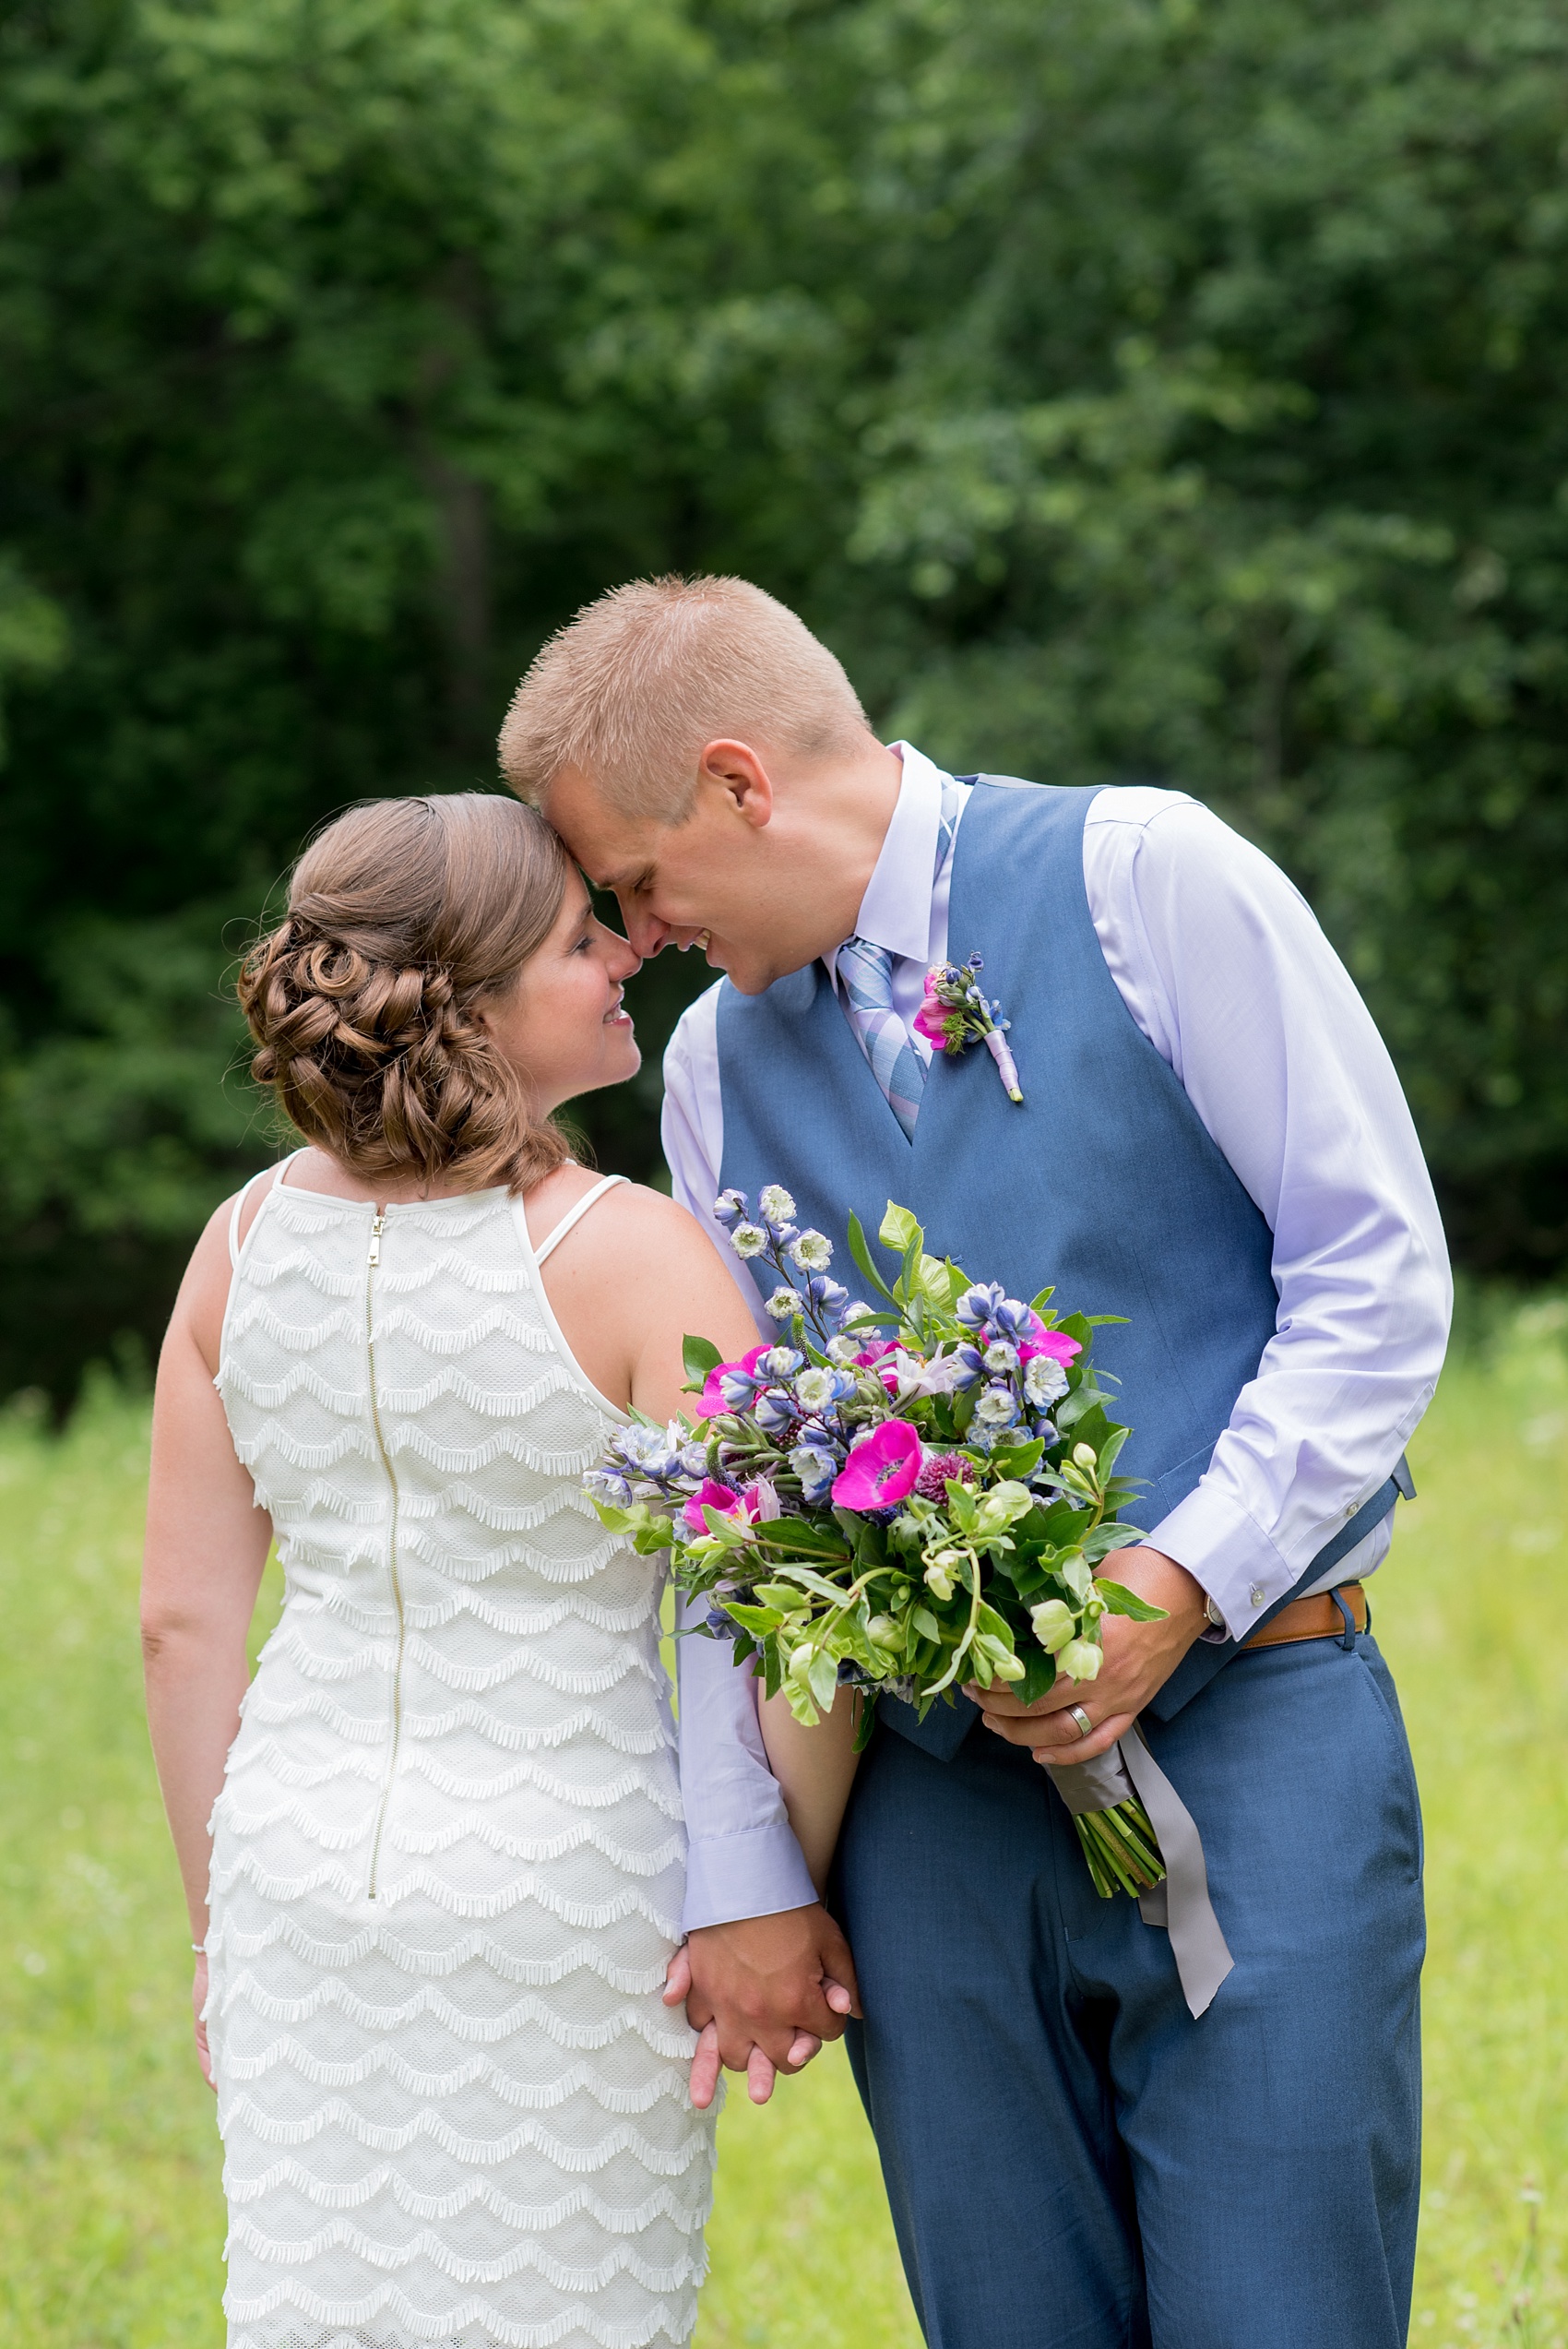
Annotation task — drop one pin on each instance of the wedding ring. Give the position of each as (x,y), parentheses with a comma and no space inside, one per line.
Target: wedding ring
(1086,1726)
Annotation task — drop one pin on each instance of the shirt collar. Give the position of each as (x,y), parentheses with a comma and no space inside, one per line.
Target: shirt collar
(895,909)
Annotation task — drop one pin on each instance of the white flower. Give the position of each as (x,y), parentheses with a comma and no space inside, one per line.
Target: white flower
(843,1350)
(817,1390)
(940,1376)
(1000,1355)
(783,1305)
(813,1251)
(1044,1379)
(996,1407)
(748,1239)
(775,1205)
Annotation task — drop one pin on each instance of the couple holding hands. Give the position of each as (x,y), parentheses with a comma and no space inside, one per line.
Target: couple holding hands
(451,1883)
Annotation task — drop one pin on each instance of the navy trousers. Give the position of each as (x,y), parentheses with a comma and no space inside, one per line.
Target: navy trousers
(1074,2162)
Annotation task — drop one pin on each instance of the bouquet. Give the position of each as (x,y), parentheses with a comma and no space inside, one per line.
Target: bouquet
(901,1496)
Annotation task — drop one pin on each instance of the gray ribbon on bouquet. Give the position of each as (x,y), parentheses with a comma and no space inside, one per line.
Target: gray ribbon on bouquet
(1180,1904)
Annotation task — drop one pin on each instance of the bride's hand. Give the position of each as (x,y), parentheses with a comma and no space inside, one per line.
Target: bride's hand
(198,2000)
(761,2071)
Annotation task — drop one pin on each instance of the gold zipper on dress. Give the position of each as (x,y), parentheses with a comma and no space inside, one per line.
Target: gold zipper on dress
(378,1225)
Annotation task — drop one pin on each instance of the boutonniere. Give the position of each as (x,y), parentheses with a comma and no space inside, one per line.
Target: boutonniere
(956,1014)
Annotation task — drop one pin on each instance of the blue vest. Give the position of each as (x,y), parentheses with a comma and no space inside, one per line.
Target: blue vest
(1105,1183)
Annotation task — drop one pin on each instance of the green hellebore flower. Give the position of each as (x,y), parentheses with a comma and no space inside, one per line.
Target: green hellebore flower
(1054,1624)
(1081,1660)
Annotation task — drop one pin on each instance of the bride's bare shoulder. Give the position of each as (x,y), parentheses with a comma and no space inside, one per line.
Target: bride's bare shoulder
(631,1227)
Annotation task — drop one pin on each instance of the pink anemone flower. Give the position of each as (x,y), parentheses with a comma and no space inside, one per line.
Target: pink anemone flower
(882,1468)
(932,1023)
(758,1501)
(712,1398)
(1054,1343)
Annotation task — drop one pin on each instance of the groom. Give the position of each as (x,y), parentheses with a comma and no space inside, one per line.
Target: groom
(1214,1144)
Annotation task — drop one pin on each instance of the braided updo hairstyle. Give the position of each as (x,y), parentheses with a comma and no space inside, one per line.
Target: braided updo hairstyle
(403,916)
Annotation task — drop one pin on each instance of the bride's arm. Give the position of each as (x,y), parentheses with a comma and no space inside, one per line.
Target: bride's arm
(207,1545)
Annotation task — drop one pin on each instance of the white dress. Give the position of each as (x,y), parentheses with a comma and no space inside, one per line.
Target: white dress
(448,1858)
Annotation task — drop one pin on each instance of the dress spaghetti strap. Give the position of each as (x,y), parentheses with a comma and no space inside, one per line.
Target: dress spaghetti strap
(575,1215)
(242,1196)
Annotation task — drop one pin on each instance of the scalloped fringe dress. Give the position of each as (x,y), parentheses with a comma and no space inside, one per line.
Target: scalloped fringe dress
(448,1858)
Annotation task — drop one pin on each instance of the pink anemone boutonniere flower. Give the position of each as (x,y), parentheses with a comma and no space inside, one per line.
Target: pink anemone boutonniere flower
(957,1012)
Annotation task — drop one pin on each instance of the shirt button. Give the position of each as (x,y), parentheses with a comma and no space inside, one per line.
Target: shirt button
(1256,1595)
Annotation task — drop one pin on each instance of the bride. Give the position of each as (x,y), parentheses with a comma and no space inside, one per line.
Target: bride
(446,1862)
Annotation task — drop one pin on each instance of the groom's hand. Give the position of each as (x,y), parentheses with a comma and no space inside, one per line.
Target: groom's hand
(1139,1659)
(763,1993)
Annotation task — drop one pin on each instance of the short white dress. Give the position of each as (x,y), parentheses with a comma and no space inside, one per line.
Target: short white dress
(448,1858)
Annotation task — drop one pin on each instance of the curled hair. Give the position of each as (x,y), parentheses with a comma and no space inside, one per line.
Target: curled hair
(403,916)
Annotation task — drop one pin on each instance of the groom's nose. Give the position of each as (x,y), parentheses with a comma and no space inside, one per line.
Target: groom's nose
(645,931)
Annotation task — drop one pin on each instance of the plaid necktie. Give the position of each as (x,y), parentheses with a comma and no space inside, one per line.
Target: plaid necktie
(865,973)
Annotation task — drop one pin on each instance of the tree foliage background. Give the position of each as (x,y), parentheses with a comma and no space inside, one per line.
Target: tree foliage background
(1126,388)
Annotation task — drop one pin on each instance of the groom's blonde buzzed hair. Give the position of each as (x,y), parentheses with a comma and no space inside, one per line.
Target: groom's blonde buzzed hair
(631,690)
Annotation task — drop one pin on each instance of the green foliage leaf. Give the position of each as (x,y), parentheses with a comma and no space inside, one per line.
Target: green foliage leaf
(1119,1600)
(700,1355)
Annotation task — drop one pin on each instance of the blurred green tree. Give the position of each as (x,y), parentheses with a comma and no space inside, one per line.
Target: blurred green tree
(1125,388)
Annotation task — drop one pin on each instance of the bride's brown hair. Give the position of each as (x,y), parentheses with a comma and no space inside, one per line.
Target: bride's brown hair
(403,916)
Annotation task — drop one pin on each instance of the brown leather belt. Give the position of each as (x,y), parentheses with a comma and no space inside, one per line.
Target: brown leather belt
(1314,1618)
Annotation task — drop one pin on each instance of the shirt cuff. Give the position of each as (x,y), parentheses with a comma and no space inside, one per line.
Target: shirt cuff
(1228,1554)
(757,1872)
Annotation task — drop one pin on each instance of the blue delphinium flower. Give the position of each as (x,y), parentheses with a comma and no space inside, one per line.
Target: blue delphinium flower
(997,1407)
(831,1296)
(776,1411)
(648,1452)
(976,1306)
(780,1362)
(737,1386)
(728,1208)
(816,1465)
(603,1484)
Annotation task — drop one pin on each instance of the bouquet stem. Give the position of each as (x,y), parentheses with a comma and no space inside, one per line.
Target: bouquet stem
(1120,1847)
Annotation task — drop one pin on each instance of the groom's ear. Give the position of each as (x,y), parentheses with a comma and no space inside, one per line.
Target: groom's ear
(740,771)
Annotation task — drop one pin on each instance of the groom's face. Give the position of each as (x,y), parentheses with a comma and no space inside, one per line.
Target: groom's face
(728,878)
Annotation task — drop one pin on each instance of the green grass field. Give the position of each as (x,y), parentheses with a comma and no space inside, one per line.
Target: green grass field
(110,2220)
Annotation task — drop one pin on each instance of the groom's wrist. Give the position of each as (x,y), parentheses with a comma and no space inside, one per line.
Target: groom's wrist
(1163,1582)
